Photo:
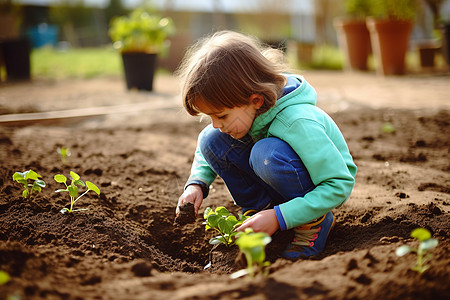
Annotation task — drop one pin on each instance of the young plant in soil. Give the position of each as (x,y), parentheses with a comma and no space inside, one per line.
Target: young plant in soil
(426,243)
(64,153)
(252,245)
(222,221)
(73,189)
(23,177)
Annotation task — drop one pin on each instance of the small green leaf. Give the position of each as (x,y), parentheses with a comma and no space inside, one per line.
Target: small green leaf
(40,183)
(64,151)
(74,175)
(25,193)
(30,174)
(93,187)
(225,226)
(79,182)
(217,240)
(231,218)
(73,190)
(213,220)
(403,250)
(428,244)
(421,234)
(250,239)
(207,212)
(387,127)
(4,277)
(222,211)
(60,178)
(18,175)
(257,253)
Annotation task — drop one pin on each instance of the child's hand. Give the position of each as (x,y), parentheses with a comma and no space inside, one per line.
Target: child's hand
(263,221)
(193,194)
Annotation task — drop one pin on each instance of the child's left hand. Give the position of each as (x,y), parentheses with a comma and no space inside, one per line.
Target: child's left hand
(263,221)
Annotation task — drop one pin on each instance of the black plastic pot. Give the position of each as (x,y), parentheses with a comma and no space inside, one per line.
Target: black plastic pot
(16,57)
(139,70)
(446,42)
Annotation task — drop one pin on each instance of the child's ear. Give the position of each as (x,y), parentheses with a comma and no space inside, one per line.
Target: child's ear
(257,100)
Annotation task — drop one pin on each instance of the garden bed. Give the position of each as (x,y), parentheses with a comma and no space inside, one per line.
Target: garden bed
(127,246)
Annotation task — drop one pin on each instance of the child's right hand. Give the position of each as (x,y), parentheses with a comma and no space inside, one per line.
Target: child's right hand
(193,194)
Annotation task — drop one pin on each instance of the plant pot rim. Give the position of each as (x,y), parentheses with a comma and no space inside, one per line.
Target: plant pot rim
(342,21)
(137,52)
(387,20)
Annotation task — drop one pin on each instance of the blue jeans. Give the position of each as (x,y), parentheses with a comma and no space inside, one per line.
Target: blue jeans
(258,175)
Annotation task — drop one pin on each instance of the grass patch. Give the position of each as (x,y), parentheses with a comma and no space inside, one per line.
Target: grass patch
(75,63)
(324,57)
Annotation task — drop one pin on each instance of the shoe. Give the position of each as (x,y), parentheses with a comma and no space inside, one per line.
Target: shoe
(310,239)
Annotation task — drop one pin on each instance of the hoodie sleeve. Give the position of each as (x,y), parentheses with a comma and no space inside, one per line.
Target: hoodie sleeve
(323,150)
(201,172)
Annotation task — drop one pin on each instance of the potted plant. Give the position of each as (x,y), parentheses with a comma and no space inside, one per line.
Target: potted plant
(353,35)
(140,37)
(390,30)
(14,48)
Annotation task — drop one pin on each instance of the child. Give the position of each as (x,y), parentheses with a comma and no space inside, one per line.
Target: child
(283,160)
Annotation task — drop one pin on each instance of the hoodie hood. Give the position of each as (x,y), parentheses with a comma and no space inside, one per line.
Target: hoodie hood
(297,92)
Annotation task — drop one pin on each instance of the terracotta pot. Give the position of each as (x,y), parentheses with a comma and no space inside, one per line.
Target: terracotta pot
(139,70)
(354,39)
(390,40)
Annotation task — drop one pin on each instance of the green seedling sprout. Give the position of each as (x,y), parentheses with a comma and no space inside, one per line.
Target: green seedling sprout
(252,245)
(72,189)
(426,243)
(387,127)
(4,277)
(64,153)
(224,223)
(23,177)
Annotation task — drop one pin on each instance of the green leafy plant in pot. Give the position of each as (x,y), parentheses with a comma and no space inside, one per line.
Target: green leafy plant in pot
(353,35)
(140,37)
(390,29)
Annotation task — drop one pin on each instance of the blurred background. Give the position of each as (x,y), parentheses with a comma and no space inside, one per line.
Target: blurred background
(72,38)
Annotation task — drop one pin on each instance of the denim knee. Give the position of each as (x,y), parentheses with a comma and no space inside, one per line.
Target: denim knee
(277,164)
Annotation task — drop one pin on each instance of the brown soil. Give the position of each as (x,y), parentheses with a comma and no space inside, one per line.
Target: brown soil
(126,245)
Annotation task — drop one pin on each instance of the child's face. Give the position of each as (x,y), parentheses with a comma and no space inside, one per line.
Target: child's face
(235,121)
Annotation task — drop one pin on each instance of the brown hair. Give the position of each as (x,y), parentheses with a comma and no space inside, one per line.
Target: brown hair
(226,68)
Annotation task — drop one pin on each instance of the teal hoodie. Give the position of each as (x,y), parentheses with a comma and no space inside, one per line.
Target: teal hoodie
(319,143)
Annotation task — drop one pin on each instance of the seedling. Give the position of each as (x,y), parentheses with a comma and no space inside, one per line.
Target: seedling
(72,189)
(23,177)
(252,245)
(224,223)
(4,277)
(426,243)
(387,127)
(64,154)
